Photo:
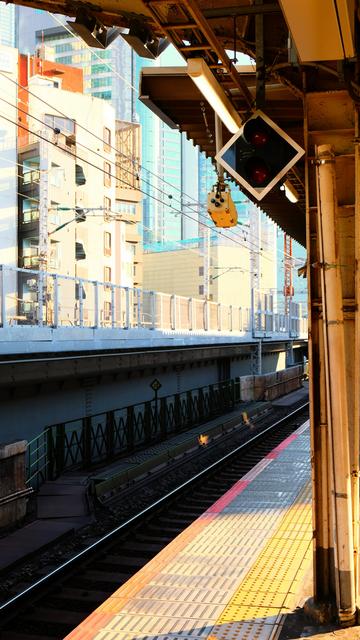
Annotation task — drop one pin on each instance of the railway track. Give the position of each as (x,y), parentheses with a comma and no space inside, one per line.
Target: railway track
(51,607)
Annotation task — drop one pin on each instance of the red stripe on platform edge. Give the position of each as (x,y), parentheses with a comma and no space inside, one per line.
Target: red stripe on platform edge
(239,486)
(228,497)
(283,445)
(88,629)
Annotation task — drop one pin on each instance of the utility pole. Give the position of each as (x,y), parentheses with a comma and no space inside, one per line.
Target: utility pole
(206,262)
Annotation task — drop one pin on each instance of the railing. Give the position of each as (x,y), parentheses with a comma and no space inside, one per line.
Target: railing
(104,436)
(56,300)
(31,176)
(30,215)
(37,460)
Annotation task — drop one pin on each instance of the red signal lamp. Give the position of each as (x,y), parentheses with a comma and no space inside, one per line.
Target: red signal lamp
(259,138)
(257,171)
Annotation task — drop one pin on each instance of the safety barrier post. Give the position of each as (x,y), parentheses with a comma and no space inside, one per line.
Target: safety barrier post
(201,406)
(50,454)
(59,449)
(232,393)
(113,323)
(96,305)
(81,303)
(173,312)
(130,428)
(138,307)
(153,309)
(189,407)
(56,301)
(163,423)
(86,432)
(237,390)
(211,399)
(110,433)
(147,421)
(219,316)
(177,411)
(127,308)
(191,314)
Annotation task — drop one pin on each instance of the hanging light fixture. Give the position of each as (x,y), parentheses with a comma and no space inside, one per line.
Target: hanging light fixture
(207,84)
(290,191)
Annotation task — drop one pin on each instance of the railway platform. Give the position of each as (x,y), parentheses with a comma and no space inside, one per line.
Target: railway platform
(234,573)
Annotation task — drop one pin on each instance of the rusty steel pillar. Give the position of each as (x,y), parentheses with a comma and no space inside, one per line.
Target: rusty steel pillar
(330,120)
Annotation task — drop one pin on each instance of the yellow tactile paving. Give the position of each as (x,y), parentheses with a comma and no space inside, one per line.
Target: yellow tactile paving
(266,593)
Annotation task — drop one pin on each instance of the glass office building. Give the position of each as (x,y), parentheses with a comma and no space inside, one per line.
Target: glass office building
(7,24)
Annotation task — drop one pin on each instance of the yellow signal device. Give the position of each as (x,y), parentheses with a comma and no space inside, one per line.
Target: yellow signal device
(221,207)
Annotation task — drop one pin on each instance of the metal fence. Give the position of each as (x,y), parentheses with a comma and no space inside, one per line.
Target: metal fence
(37,298)
(104,436)
(101,437)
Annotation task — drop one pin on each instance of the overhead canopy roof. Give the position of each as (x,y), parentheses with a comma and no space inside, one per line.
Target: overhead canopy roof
(172,95)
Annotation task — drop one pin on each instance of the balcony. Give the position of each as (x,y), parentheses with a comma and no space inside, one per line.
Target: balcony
(31,177)
(29,215)
(29,262)
(30,258)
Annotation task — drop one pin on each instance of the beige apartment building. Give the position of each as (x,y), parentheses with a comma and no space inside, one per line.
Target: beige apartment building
(76,217)
(182,272)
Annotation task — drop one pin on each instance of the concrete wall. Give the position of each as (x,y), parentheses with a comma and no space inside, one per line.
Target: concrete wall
(25,415)
(271,385)
(27,410)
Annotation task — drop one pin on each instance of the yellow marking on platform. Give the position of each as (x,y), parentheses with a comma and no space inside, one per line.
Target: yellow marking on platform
(269,590)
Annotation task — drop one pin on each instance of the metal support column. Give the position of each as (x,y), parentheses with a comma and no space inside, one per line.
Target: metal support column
(336,385)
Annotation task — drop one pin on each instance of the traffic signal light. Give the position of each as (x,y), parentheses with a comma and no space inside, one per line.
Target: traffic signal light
(259,154)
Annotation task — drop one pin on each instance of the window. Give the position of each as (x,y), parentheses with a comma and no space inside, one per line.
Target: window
(80,179)
(107,174)
(79,291)
(131,246)
(125,207)
(104,95)
(99,68)
(65,60)
(66,125)
(107,243)
(107,139)
(57,176)
(107,274)
(107,310)
(107,205)
(201,290)
(103,81)
(79,251)
(54,213)
(62,48)
(54,258)
(201,271)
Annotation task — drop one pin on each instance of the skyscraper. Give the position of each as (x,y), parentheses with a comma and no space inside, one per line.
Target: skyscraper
(7,24)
